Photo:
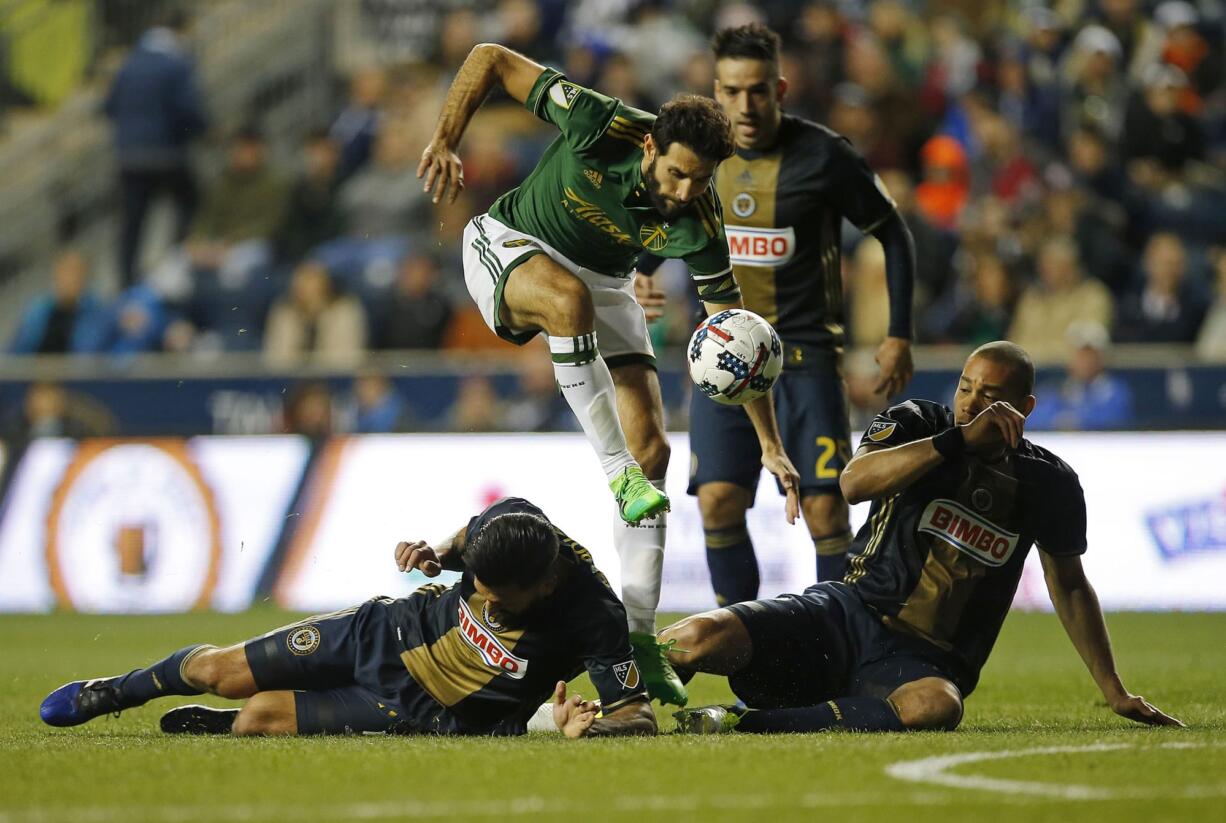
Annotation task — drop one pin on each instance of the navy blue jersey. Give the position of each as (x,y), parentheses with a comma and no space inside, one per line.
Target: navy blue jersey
(783,209)
(942,559)
(486,673)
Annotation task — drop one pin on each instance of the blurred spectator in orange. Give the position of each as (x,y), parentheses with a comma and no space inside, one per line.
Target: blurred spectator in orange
(69,318)
(1062,296)
(1184,47)
(477,407)
(1087,398)
(1211,342)
(417,312)
(308,410)
(1168,309)
(356,128)
(1155,129)
(380,408)
(157,110)
(946,182)
(313,216)
(50,410)
(242,210)
(313,319)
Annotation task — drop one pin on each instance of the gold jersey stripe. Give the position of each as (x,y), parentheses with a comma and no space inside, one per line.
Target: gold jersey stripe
(638,141)
(629,125)
(707,213)
(858,562)
(615,128)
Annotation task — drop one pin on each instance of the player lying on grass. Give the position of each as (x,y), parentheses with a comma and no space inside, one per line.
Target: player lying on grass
(958,499)
(530,612)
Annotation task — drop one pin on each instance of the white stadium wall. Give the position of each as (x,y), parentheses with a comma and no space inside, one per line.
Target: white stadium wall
(169,525)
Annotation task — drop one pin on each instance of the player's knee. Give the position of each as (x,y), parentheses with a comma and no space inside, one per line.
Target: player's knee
(826,513)
(222,672)
(722,505)
(571,311)
(267,713)
(932,704)
(697,637)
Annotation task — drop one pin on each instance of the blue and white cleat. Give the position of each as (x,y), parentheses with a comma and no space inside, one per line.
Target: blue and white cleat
(79,701)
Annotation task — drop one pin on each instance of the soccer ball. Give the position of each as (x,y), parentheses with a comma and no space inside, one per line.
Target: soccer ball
(735,357)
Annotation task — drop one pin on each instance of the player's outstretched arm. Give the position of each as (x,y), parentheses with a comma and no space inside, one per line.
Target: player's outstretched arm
(576,717)
(487,65)
(1077,606)
(761,414)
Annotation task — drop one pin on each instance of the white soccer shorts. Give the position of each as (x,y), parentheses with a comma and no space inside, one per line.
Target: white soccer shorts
(492,250)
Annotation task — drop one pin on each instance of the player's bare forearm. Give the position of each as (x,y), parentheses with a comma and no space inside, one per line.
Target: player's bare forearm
(449,551)
(1077,606)
(881,472)
(635,718)
(486,66)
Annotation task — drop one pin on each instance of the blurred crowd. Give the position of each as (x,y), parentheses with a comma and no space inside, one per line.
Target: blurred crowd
(1061,165)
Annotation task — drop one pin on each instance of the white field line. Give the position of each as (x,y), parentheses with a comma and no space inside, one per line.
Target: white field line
(935,771)
(460,808)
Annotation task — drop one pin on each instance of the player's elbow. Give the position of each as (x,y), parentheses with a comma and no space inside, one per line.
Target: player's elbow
(852,486)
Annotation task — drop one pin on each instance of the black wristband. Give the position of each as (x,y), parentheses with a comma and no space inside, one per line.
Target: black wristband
(951,443)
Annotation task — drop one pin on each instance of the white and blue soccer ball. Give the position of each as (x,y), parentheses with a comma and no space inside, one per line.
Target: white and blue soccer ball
(735,356)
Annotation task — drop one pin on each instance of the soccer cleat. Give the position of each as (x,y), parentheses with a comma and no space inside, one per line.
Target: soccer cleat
(707,720)
(79,701)
(637,499)
(197,719)
(662,682)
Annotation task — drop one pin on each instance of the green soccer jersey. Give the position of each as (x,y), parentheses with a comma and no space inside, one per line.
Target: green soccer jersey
(587,199)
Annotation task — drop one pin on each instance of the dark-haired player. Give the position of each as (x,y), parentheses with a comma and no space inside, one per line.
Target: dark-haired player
(530,612)
(785,193)
(958,498)
(557,255)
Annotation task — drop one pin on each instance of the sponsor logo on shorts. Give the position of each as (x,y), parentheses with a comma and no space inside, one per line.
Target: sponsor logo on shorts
(303,640)
(517,243)
(880,430)
(488,646)
(968,532)
(760,247)
(627,674)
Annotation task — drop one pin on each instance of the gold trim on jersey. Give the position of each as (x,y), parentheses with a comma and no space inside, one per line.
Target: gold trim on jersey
(757,178)
(705,206)
(625,129)
(451,669)
(879,522)
(934,607)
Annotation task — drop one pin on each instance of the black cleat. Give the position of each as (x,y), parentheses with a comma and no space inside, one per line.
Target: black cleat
(196,719)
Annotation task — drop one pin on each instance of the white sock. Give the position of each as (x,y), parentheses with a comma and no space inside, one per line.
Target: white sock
(641,549)
(588,388)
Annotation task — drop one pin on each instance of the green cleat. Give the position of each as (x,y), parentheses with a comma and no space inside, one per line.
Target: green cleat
(706,720)
(663,684)
(637,499)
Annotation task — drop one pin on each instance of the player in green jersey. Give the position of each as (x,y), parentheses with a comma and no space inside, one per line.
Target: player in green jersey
(557,255)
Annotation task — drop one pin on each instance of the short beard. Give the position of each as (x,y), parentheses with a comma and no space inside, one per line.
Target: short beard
(658,202)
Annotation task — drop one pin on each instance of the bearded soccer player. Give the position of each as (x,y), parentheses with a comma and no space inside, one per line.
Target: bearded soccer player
(529,612)
(958,498)
(558,255)
(785,193)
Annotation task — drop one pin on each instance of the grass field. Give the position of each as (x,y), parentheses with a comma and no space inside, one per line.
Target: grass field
(1037,744)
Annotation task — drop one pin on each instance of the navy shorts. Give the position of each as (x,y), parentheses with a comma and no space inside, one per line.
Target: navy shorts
(823,644)
(811,405)
(346,671)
